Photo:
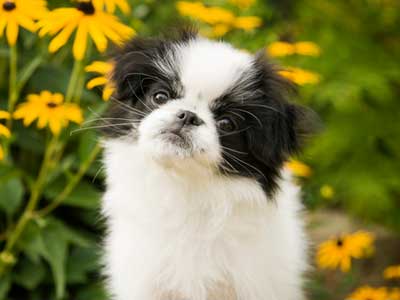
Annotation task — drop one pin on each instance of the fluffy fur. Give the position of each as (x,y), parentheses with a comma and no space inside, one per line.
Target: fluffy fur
(196,206)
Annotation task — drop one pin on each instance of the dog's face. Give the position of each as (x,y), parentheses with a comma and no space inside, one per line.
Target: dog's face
(193,100)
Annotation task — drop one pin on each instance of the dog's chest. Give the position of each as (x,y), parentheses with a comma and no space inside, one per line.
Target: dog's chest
(220,291)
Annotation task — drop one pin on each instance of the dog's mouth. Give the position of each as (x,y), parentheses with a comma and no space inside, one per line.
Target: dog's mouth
(178,138)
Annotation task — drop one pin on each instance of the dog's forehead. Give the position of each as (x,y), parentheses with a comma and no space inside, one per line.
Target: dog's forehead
(208,69)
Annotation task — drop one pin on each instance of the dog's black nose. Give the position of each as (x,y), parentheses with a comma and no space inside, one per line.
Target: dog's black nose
(186,118)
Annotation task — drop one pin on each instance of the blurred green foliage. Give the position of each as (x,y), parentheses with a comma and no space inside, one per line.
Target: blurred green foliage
(357,153)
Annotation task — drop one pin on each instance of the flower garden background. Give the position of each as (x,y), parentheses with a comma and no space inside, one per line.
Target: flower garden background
(345,57)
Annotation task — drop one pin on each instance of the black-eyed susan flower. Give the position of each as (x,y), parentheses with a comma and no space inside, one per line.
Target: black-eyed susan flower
(300,76)
(339,252)
(392,272)
(89,21)
(277,49)
(298,168)
(49,110)
(111,5)
(369,293)
(4,131)
(15,13)
(104,69)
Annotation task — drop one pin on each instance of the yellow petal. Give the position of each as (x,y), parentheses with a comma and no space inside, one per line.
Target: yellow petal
(4,114)
(73,113)
(12,32)
(99,67)
(55,125)
(4,131)
(79,46)
(107,93)
(62,38)
(124,6)
(42,120)
(247,23)
(3,23)
(96,82)
(276,49)
(98,37)
(1,153)
(26,22)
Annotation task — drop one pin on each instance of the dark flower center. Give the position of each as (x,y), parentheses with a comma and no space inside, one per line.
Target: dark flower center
(86,7)
(52,105)
(339,242)
(8,5)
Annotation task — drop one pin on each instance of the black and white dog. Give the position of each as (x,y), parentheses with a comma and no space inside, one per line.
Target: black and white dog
(197,204)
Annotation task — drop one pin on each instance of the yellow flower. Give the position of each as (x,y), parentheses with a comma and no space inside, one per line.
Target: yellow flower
(110,5)
(298,168)
(299,76)
(326,191)
(4,131)
(277,49)
(247,23)
(221,20)
(103,68)
(15,13)
(1,153)
(369,293)
(89,21)
(307,48)
(218,31)
(392,272)
(394,294)
(338,252)
(49,110)
(242,3)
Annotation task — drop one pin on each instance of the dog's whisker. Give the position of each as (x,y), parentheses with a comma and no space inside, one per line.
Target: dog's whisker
(101,126)
(137,97)
(235,132)
(233,150)
(127,107)
(243,163)
(251,114)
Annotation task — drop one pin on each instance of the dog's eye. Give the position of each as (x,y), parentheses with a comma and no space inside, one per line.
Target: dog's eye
(225,124)
(160,97)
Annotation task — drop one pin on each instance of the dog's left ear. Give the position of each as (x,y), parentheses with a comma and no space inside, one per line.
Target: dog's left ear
(287,127)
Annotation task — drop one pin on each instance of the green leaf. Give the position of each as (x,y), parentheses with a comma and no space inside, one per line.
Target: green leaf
(11,193)
(81,262)
(55,253)
(94,291)
(31,242)
(84,195)
(29,274)
(5,285)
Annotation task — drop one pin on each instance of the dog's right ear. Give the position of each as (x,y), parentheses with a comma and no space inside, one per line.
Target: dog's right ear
(133,63)
(142,60)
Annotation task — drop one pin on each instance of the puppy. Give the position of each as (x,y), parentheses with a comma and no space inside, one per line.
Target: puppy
(197,204)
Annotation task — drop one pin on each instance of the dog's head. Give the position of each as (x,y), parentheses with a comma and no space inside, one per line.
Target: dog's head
(189,99)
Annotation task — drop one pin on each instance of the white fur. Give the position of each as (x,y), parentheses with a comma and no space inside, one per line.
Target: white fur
(176,225)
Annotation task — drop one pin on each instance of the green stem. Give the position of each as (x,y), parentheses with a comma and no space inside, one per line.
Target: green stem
(73,81)
(13,91)
(71,184)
